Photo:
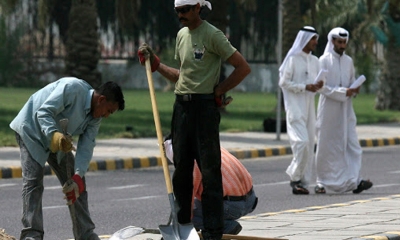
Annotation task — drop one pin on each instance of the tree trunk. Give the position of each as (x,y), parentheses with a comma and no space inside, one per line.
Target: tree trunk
(387,97)
(292,23)
(82,48)
(388,94)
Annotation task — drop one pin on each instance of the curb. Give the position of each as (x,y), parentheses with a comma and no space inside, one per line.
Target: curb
(153,161)
(384,236)
(315,208)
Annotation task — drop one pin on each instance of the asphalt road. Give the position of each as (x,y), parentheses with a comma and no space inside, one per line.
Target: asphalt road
(138,197)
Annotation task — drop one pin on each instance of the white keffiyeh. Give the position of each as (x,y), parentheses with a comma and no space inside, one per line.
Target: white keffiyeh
(180,3)
(336,33)
(303,37)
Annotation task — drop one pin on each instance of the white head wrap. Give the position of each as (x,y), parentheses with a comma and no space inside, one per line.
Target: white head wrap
(180,3)
(303,37)
(336,33)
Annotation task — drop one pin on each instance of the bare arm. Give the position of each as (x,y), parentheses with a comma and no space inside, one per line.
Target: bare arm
(242,69)
(169,73)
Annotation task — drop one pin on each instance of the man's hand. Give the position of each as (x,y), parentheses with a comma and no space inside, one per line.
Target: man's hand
(320,84)
(223,101)
(145,52)
(61,142)
(73,188)
(314,87)
(352,92)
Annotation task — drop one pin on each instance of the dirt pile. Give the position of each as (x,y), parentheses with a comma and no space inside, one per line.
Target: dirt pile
(5,236)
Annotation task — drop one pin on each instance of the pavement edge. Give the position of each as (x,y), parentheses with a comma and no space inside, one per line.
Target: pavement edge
(152,161)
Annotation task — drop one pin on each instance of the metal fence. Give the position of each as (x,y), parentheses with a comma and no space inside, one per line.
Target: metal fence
(47,43)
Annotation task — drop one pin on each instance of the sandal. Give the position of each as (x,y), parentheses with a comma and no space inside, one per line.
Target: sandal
(297,188)
(319,190)
(364,185)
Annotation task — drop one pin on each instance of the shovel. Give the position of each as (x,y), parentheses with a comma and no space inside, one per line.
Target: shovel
(70,165)
(172,230)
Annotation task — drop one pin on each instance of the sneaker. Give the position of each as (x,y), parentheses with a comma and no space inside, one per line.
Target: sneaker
(364,185)
(234,229)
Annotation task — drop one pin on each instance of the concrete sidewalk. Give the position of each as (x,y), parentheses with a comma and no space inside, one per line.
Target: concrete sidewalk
(376,218)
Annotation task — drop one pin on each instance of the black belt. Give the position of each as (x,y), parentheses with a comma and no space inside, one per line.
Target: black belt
(239,198)
(193,97)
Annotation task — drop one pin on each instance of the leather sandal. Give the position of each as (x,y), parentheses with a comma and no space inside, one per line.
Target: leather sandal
(364,185)
(297,188)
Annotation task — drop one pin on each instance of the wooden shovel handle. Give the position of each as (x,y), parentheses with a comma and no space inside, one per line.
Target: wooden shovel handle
(158,127)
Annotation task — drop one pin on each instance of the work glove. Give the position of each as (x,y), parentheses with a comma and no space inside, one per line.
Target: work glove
(223,101)
(146,51)
(73,188)
(61,142)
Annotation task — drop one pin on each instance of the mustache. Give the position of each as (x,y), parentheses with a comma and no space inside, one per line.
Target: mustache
(182,19)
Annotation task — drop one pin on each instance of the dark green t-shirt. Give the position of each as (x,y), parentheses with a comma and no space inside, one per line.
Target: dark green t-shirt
(200,52)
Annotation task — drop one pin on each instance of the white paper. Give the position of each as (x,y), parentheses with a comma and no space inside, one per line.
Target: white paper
(360,80)
(321,76)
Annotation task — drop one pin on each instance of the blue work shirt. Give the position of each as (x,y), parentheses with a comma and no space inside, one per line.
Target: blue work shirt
(70,98)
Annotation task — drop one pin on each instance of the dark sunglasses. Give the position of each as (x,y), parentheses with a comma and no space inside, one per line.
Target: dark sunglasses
(184,10)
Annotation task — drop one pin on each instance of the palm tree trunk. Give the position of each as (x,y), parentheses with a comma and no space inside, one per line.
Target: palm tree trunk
(388,94)
(82,48)
(292,22)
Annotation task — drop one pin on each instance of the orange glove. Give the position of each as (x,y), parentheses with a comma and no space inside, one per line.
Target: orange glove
(61,142)
(145,52)
(73,188)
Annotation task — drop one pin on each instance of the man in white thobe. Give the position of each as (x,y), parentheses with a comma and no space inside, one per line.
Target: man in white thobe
(338,156)
(297,74)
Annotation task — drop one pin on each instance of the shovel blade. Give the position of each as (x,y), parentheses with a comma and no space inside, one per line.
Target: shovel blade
(185,232)
(126,233)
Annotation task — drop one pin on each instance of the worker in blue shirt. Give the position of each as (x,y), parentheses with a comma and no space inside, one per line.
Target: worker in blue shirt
(41,139)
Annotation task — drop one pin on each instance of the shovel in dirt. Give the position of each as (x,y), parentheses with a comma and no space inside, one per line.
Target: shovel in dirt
(172,230)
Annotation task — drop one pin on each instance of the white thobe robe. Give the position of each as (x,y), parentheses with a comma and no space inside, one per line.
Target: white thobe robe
(300,70)
(338,156)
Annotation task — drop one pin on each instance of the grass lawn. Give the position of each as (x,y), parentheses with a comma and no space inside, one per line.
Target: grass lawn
(246,113)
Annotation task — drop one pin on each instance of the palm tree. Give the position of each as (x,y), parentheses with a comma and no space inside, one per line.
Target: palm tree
(82,47)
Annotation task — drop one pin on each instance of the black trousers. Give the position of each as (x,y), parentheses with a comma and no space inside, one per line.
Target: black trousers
(195,136)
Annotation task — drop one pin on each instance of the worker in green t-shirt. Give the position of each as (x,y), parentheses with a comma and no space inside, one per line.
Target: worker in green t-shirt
(200,50)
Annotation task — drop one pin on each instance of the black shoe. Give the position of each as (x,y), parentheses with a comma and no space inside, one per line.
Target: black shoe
(208,236)
(297,188)
(364,185)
